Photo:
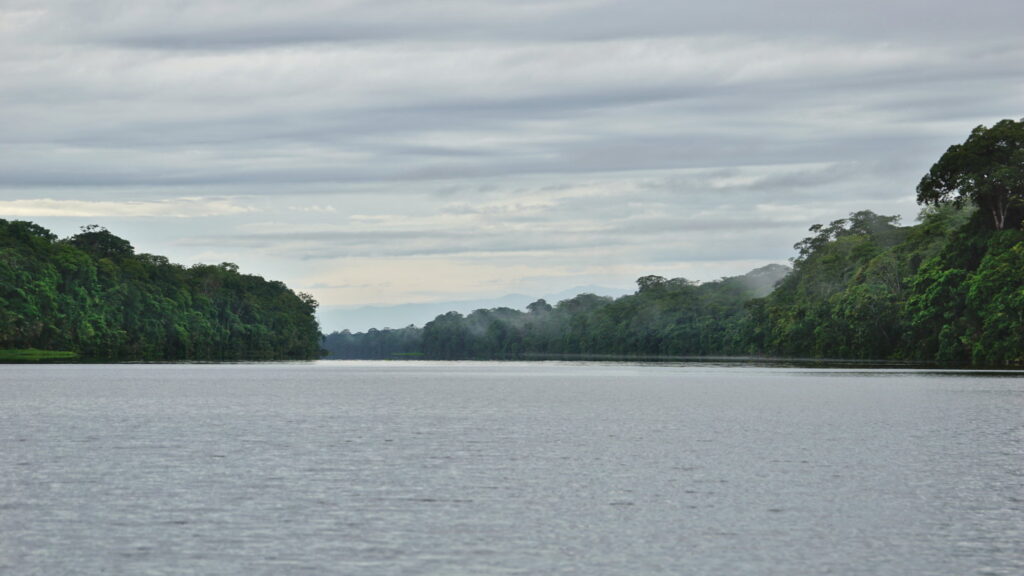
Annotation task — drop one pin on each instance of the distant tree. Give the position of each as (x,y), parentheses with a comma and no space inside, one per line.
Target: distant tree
(987,169)
(445,337)
(541,306)
(99,242)
(309,300)
(651,283)
(583,303)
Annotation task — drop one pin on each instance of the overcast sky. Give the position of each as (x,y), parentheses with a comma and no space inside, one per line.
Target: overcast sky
(404,151)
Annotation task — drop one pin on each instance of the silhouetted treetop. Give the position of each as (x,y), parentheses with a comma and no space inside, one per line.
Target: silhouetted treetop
(987,170)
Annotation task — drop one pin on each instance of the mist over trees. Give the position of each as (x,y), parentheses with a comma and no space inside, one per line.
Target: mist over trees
(948,289)
(93,295)
(665,317)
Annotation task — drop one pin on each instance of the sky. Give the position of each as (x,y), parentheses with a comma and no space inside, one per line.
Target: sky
(403,151)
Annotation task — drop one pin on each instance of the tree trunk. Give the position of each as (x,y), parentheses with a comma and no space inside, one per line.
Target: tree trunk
(999,209)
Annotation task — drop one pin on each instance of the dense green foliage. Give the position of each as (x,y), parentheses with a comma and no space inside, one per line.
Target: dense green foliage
(851,283)
(949,289)
(987,170)
(33,355)
(663,318)
(92,295)
(375,344)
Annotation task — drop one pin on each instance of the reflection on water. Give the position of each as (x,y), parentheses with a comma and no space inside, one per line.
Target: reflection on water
(495,468)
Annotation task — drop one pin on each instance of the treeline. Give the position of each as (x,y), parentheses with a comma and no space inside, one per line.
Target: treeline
(949,289)
(93,295)
(665,317)
(944,290)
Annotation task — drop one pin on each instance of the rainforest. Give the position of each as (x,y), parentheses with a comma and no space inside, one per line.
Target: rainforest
(92,297)
(949,289)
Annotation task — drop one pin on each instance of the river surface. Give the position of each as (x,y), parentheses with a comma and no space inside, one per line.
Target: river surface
(504,468)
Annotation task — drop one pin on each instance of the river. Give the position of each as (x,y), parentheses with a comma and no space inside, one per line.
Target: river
(509,468)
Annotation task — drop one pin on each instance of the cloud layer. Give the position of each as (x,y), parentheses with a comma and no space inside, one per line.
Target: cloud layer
(569,142)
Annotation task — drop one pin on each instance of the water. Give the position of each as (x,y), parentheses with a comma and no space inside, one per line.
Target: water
(491,468)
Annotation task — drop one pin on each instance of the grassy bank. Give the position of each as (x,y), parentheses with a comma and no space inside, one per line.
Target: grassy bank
(34,355)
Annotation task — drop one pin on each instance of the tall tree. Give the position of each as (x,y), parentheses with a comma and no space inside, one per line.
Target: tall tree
(987,169)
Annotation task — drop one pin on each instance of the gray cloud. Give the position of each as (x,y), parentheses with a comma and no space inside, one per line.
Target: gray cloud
(587,134)
(228,26)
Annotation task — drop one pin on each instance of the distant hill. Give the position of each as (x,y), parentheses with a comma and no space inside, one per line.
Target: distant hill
(762,281)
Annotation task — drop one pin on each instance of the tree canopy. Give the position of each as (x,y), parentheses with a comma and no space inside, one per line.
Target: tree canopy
(91,294)
(987,169)
(948,289)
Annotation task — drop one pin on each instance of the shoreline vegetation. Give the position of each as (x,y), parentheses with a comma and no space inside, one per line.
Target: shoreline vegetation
(948,290)
(35,355)
(91,298)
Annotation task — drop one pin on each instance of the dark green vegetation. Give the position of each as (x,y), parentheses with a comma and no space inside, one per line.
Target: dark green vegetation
(987,170)
(33,355)
(93,297)
(664,317)
(949,289)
